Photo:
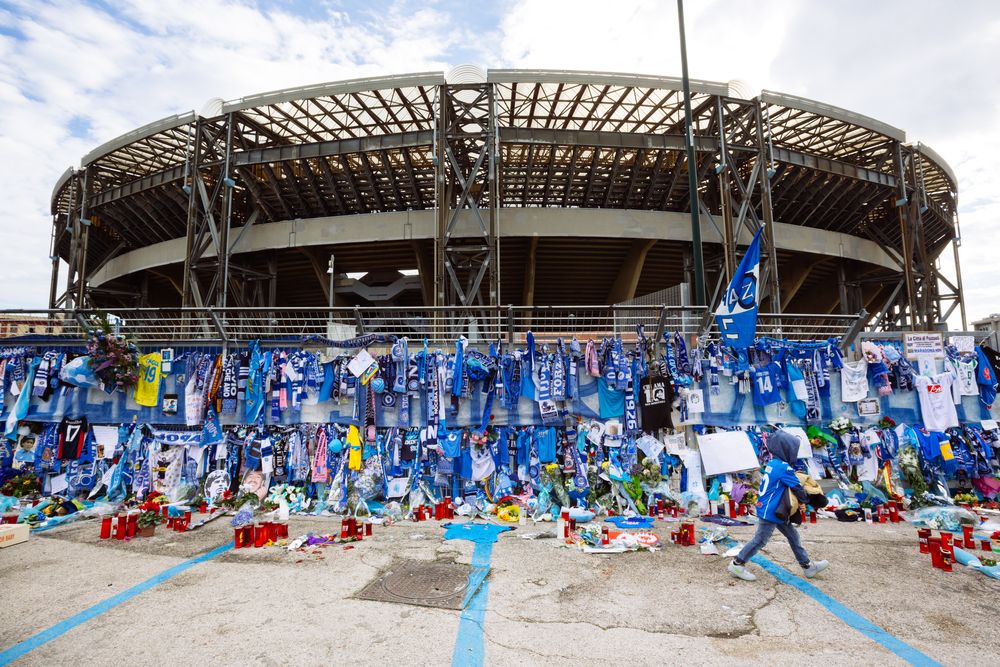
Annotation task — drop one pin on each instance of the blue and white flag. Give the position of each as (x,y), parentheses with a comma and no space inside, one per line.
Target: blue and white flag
(737,312)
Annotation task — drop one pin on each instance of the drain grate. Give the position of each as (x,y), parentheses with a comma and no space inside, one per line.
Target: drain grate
(440,585)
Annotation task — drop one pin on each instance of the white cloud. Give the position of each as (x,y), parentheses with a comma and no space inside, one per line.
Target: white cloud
(927,67)
(64,60)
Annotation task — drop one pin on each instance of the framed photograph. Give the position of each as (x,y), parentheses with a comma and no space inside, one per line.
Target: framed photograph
(869,407)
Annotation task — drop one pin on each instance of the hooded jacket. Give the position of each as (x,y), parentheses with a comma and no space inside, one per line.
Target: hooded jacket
(773,503)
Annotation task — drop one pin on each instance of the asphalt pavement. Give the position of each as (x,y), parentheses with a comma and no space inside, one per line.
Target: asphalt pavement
(545,604)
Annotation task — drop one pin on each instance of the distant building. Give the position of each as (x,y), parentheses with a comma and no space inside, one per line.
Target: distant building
(26,325)
(991,324)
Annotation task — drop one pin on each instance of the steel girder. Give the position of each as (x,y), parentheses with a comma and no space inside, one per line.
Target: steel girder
(541,139)
(467,274)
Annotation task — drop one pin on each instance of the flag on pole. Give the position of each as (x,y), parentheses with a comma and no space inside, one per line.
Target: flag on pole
(737,312)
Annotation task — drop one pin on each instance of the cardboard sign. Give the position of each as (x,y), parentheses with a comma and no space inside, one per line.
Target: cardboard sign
(360,363)
(728,451)
(964,344)
(923,344)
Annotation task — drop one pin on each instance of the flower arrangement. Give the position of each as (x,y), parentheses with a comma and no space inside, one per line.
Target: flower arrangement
(153,502)
(294,497)
(23,485)
(600,488)
(841,425)
(886,423)
(648,471)
(113,357)
(551,477)
(244,517)
(819,438)
(238,501)
(909,465)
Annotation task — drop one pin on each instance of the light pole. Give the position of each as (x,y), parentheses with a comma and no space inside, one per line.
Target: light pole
(330,300)
(699,261)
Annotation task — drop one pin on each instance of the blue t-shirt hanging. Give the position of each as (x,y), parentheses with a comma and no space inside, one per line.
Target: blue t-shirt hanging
(612,402)
(545,439)
(451,442)
(765,385)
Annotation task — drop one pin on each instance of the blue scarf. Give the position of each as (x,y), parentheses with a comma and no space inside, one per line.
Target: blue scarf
(456,387)
(358,342)
(544,377)
(558,388)
(631,418)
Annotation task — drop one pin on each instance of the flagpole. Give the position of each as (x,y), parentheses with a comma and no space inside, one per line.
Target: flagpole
(699,261)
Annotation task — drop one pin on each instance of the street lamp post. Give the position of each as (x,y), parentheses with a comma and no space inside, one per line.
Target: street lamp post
(699,261)
(330,300)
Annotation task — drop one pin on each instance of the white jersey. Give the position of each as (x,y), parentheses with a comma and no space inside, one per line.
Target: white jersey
(965,378)
(937,406)
(854,381)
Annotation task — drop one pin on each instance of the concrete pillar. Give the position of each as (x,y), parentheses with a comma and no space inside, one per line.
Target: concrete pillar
(627,281)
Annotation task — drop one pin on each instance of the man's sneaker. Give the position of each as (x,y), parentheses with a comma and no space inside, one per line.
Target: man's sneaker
(741,572)
(816,568)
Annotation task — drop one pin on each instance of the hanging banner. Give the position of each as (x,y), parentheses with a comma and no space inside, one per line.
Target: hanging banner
(736,315)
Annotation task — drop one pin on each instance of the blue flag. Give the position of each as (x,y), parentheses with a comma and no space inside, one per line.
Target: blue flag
(737,312)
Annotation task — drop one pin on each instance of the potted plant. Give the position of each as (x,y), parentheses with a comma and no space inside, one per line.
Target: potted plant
(147,522)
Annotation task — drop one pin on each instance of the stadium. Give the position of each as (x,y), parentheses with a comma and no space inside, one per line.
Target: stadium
(477,189)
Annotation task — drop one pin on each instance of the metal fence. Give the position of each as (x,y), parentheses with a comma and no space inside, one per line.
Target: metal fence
(439,325)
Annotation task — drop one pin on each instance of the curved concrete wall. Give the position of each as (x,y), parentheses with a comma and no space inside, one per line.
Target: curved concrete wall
(513,222)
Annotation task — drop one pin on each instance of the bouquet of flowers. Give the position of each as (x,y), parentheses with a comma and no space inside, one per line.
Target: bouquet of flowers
(909,465)
(648,471)
(552,477)
(293,496)
(600,488)
(841,425)
(22,485)
(113,357)
(968,498)
(886,423)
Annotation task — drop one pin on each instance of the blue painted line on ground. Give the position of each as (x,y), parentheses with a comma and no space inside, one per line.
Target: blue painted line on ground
(45,636)
(848,616)
(469,647)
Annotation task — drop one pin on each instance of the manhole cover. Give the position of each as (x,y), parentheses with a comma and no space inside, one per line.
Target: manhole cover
(441,585)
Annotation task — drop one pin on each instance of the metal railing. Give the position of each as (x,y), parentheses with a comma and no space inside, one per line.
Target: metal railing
(439,325)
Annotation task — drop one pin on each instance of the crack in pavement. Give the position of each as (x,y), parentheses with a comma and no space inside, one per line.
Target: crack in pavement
(520,649)
(755,629)
(669,633)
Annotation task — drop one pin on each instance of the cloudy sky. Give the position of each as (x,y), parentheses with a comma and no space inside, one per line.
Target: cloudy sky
(75,74)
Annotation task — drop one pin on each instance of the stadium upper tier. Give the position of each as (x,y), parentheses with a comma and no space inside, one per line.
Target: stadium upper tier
(587,173)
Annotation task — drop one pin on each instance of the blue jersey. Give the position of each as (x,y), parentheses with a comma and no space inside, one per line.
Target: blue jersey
(778,478)
(765,384)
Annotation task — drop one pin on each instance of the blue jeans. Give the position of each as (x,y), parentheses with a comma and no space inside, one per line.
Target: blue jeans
(765,529)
